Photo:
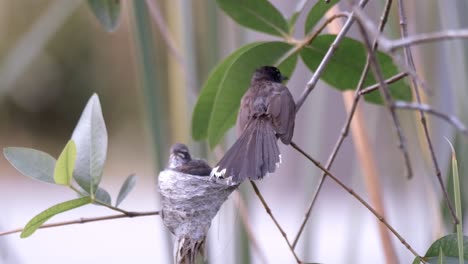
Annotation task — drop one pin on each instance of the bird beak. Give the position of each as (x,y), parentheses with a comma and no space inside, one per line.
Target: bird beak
(284,78)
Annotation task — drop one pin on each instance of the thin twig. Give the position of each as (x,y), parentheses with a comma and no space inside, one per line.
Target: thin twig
(359,198)
(268,210)
(326,59)
(86,220)
(428,109)
(390,80)
(411,65)
(344,130)
(385,92)
(243,212)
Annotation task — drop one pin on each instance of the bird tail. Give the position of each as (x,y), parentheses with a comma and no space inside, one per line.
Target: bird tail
(253,155)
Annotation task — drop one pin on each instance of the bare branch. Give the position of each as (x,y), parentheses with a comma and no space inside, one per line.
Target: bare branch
(359,198)
(86,220)
(326,59)
(390,80)
(428,109)
(268,210)
(385,92)
(411,65)
(345,129)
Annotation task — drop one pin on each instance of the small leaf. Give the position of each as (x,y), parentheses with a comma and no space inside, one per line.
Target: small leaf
(103,196)
(41,218)
(90,136)
(345,67)
(316,13)
(236,81)
(204,105)
(32,163)
(63,172)
(126,188)
(107,12)
(259,15)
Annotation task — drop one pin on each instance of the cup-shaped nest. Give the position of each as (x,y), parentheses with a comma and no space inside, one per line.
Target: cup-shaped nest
(189,203)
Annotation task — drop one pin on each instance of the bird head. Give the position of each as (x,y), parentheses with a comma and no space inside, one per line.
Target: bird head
(179,155)
(268,73)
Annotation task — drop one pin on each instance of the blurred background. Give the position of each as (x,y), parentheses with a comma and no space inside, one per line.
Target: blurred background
(54,55)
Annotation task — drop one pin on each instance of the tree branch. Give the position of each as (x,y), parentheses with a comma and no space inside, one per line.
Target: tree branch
(326,59)
(86,220)
(268,210)
(390,80)
(359,198)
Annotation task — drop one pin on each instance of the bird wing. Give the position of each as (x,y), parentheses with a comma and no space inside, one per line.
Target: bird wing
(282,110)
(244,112)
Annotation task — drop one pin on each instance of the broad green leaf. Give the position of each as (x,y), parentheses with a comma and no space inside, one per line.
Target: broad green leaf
(41,218)
(316,13)
(126,188)
(205,102)
(450,247)
(32,163)
(63,172)
(259,15)
(90,136)
(346,65)
(107,12)
(236,81)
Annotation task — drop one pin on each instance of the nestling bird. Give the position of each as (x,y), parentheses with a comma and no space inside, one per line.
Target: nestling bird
(181,161)
(267,112)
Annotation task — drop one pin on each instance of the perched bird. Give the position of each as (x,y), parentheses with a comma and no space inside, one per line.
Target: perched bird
(267,112)
(181,161)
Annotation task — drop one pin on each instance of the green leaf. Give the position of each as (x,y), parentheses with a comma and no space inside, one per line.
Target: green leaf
(449,245)
(32,163)
(90,136)
(259,15)
(205,102)
(345,67)
(41,218)
(107,12)
(126,188)
(236,81)
(458,206)
(103,196)
(63,172)
(316,13)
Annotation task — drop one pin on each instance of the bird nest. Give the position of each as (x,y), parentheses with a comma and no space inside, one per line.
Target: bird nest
(189,203)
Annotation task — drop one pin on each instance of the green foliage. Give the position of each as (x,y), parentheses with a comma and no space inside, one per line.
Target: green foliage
(107,12)
(41,218)
(90,136)
(32,163)
(103,196)
(86,158)
(345,68)
(259,15)
(316,13)
(228,83)
(204,106)
(63,172)
(126,188)
(449,245)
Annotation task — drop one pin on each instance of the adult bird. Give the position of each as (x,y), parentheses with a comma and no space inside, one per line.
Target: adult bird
(267,112)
